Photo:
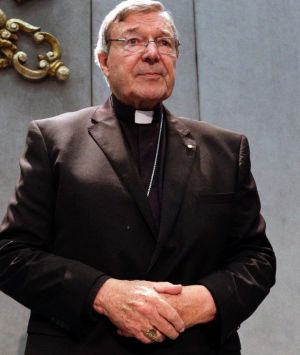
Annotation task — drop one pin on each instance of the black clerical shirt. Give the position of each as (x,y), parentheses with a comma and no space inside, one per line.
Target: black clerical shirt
(142,140)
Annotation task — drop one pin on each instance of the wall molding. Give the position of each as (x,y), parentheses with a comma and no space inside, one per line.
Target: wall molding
(49,64)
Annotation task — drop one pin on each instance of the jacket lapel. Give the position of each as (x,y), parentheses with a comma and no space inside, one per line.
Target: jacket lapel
(180,154)
(106,132)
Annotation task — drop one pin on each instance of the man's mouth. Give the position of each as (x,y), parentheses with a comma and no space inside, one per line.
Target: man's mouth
(151,74)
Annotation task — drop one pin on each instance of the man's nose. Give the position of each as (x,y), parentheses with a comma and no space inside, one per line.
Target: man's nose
(151,51)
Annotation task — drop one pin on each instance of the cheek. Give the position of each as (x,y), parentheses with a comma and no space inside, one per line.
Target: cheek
(171,69)
(171,80)
(119,76)
(122,74)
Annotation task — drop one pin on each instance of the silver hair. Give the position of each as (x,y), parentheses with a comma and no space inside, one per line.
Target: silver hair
(120,12)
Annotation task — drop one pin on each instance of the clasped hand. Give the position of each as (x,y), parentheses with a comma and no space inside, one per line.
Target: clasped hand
(137,306)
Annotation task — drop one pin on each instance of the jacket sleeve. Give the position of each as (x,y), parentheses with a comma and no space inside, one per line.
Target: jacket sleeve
(248,269)
(51,286)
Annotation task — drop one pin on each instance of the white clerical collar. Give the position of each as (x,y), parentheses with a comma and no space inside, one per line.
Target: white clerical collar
(143,117)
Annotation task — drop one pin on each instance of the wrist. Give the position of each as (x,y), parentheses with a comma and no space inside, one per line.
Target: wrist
(208,306)
(101,296)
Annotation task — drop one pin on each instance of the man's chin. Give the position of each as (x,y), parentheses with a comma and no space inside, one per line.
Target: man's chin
(149,101)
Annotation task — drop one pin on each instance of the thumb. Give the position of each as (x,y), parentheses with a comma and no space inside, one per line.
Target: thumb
(167,287)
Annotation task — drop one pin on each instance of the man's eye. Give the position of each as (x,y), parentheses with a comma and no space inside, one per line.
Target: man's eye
(164,42)
(133,41)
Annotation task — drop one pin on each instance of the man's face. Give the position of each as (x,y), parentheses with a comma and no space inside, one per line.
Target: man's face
(141,80)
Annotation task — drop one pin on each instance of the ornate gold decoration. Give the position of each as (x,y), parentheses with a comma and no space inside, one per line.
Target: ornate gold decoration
(50,64)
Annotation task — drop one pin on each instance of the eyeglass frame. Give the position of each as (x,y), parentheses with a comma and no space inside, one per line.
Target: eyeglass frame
(145,44)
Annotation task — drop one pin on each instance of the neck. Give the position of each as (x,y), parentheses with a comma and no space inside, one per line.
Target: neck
(127,113)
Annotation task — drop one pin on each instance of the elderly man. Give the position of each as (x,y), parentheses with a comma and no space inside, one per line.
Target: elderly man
(133,231)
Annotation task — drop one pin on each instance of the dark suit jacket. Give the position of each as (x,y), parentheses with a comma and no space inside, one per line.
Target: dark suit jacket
(80,211)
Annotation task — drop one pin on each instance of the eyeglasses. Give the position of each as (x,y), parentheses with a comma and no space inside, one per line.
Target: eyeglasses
(165,45)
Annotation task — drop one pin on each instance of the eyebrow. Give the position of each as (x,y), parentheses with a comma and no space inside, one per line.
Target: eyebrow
(130,30)
(136,28)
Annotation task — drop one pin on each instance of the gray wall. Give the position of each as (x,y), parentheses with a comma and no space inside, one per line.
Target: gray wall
(249,81)
(244,75)
(22,101)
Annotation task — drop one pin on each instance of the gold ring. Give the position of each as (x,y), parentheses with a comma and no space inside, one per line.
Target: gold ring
(151,334)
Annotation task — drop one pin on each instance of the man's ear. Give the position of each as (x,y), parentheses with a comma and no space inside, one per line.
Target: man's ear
(103,57)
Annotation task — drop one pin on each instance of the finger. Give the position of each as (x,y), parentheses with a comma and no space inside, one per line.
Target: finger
(142,337)
(159,336)
(169,313)
(165,328)
(167,287)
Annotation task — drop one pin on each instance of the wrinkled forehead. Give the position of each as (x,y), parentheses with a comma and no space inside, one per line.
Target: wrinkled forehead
(154,23)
